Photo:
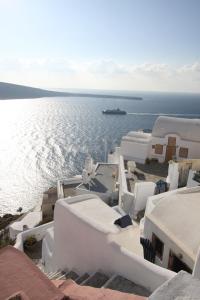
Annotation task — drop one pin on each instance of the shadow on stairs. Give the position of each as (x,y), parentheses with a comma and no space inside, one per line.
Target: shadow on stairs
(101,280)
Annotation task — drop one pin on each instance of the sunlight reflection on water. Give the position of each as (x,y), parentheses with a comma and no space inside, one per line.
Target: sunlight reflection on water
(43,140)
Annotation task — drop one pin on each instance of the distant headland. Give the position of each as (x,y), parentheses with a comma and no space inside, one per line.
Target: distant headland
(15,91)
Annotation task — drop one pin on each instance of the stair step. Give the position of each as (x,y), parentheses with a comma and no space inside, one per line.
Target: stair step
(82,278)
(97,280)
(124,285)
(71,275)
(54,275)
(57,276)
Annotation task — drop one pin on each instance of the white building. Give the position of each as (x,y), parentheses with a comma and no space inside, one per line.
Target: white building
(183,173)
(136,146)
(83,237)
(172,225)
(133,193)
(170,138)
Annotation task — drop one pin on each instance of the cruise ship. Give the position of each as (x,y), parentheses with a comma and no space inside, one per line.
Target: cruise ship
(114,112)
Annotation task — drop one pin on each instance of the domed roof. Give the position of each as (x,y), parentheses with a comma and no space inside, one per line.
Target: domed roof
(177,215)
(186,129)
(138,137)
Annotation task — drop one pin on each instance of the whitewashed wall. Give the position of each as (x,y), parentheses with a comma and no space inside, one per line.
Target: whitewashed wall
(149,229)
(39,232)
(47,250)
(173,176)
(142,191)
(72,180)
(81,245)
(132,203)
(132,150)
(193,147)
(126,199)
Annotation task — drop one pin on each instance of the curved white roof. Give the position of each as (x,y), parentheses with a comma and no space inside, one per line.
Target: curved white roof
(137,136)
(177,215)
(187,129)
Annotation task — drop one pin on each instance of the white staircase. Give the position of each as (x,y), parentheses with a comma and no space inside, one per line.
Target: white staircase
(100,280)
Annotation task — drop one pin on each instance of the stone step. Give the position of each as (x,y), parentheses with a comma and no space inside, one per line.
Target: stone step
(97,280)
(82,278)
(124,285)
(57,276)
(54,275)
(70,275)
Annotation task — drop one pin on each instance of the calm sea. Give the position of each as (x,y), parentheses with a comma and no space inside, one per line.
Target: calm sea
(43,140)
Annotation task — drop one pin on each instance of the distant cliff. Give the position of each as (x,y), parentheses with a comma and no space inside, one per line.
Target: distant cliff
(15,91)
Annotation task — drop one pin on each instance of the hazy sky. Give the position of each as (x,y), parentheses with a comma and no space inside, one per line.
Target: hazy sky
(104,44)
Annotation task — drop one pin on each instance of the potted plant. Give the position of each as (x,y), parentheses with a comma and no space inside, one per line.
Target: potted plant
(30,243)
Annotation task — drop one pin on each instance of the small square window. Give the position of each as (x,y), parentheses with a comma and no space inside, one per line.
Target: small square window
(183,152)
(158,149)
(158,246)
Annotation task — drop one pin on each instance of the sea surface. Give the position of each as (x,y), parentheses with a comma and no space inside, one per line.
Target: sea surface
(43,140)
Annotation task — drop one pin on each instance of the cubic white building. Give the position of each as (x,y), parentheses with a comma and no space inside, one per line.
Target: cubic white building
(171,224)
(183,173)
(170,138)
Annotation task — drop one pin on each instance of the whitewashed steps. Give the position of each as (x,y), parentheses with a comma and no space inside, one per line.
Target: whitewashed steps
(101,280)
(96,280)
(124,285)
(82,278)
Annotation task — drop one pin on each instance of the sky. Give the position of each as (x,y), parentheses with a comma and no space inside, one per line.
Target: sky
(151,45)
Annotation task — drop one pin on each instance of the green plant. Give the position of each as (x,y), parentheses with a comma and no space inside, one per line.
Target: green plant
(30,241)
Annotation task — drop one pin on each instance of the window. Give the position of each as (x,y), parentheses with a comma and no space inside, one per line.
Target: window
(158,149)
(183,152)
(158,246)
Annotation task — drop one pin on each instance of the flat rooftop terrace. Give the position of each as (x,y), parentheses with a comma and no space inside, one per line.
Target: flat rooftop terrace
(70,190)
(104,179)
(153,171)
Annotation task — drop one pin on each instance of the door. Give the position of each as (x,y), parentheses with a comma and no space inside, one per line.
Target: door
(176,265)
(170,149)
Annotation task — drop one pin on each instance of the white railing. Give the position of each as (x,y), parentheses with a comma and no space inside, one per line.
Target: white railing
(39,232)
